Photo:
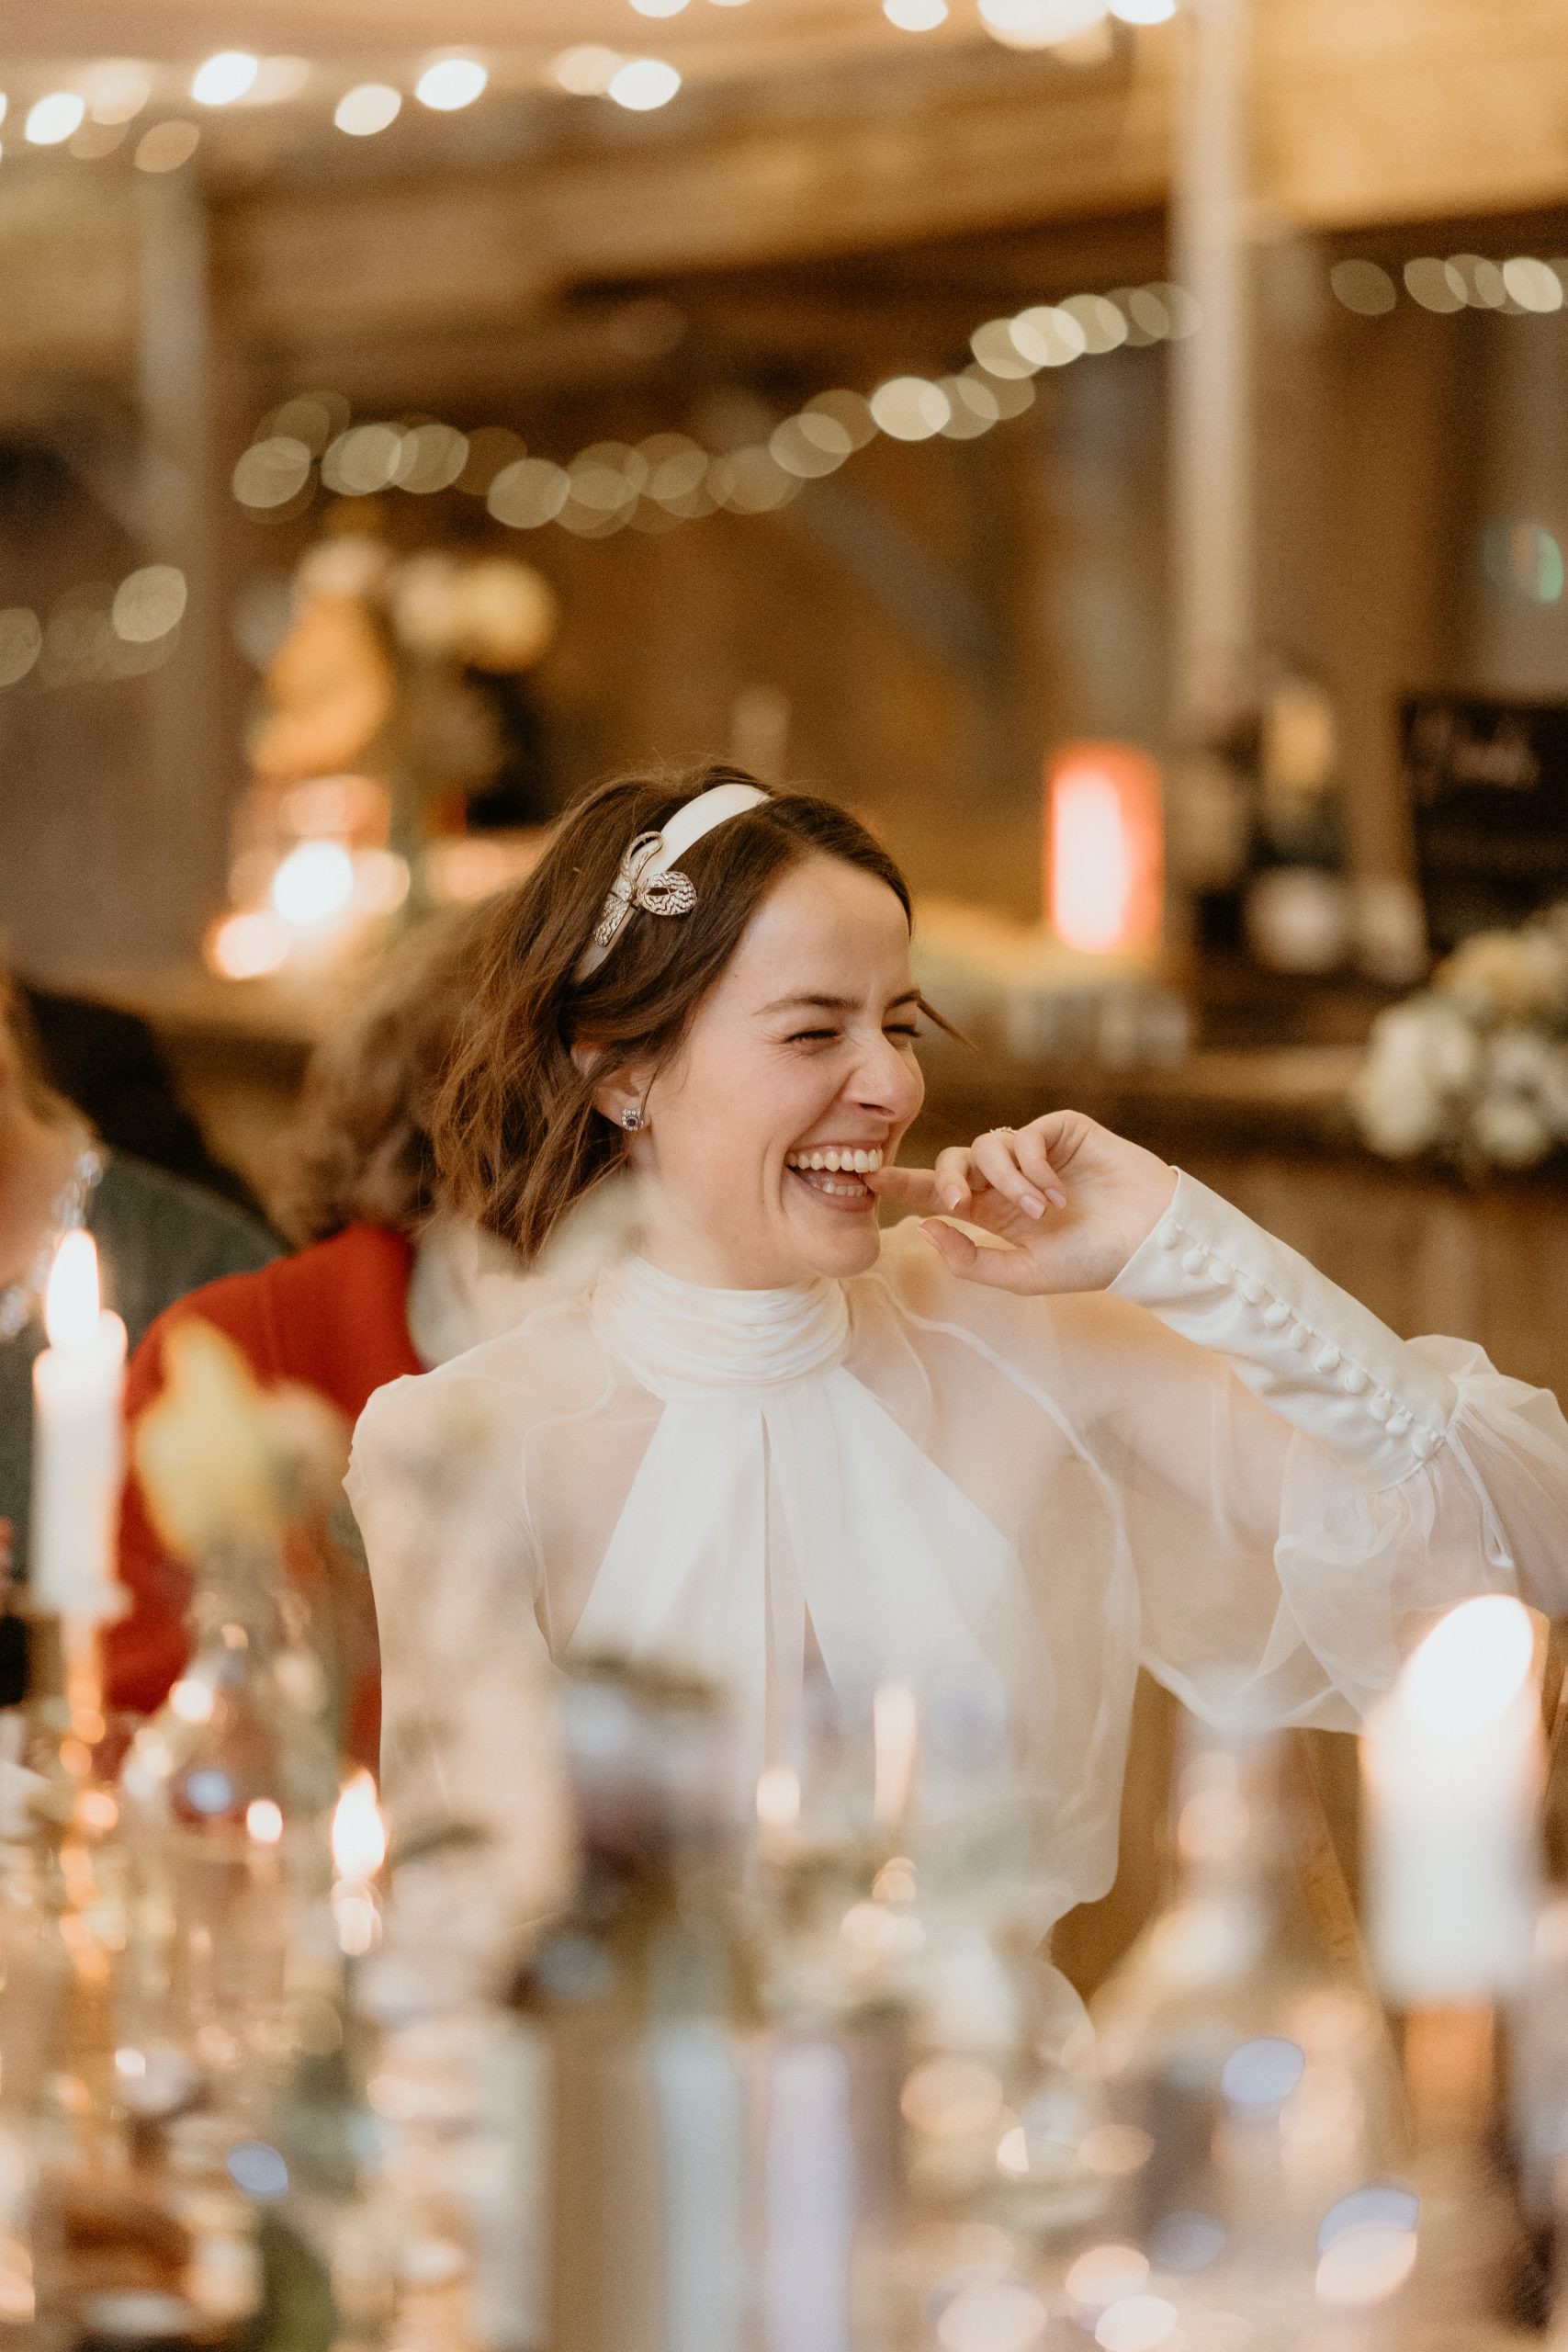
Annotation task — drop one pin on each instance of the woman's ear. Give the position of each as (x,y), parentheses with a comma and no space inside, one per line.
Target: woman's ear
(618,1092)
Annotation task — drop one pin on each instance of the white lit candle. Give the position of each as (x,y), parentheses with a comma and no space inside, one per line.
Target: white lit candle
(78,1451)
(894,1721)
(359,1849)
(1452,1768)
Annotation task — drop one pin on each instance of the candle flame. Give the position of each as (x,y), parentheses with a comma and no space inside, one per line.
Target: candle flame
(1469,1670)
(778,1797)
(894,1722)
(359,1834)
(72,1301)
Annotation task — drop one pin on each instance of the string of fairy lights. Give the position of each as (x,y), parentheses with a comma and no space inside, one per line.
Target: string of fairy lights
(102,107)
(669,478)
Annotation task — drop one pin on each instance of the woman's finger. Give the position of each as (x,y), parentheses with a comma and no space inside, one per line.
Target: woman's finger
(907,1188)
(1034,1158)
(996,1156)
(954,1174)
(992,1269)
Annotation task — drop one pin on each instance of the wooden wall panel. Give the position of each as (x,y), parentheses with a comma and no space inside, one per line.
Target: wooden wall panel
(1401,109)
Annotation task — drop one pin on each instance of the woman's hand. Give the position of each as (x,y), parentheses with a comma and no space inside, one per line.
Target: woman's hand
(1070,1200)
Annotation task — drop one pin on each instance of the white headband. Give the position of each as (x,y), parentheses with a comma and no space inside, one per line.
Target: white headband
(649,877)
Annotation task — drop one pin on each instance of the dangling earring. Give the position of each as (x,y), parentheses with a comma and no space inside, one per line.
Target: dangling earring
(631,1118)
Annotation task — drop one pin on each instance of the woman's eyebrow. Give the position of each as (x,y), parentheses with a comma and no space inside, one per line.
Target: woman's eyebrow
(830,1003)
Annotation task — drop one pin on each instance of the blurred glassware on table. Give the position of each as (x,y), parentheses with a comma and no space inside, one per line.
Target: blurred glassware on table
(230,1785)
(1019,989)
(1474,1068)
(1253,2096)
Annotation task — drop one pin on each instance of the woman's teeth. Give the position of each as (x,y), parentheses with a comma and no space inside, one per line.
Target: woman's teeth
(838,1160)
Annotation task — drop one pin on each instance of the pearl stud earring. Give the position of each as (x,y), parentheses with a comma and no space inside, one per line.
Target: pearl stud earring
(631,1118)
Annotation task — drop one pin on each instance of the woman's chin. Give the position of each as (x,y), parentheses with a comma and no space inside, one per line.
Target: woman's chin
(836,1244)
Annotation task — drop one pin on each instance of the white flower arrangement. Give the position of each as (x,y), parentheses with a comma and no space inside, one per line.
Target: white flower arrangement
(1475,1065)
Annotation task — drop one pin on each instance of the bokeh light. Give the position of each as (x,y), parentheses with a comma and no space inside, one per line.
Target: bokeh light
(246,947)
(272,472)
(314,884)
(586,71)
(1435,284)
(166,146)
(451,84)
(994,348)
(1136,2324)
(1533,285)
(1481,280)
(256,2169)
(1259,2075)
(52,119)
(972,407)
(431,458)
(116,90)
(1367,2245)
(1040,24)
(148,603)
(1105,2274)
(850,410)
(368,108)
(362,460)
(642,84)
(528,492)
(810,445)
(224,78)
(1049,336)
(908,408)
(915,15)
(1363,288)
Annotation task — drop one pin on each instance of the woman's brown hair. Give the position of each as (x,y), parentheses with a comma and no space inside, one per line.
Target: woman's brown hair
(518,1140)
(360,1151)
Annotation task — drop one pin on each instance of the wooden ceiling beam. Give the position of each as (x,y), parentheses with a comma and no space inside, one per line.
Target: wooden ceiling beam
(981,152)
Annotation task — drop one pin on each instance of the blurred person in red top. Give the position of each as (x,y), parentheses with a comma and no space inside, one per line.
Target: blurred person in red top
(385,1284)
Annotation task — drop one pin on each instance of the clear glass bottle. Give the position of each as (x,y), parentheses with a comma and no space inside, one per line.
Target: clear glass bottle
(106,2244)
(646,1993)
(1253,2096)
(231,1788)
(996,2092)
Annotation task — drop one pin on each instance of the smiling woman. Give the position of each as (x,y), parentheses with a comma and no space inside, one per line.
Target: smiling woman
(677,1020)
(1073,1412)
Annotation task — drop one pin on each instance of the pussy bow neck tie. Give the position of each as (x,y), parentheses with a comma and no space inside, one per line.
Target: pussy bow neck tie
(777,1490)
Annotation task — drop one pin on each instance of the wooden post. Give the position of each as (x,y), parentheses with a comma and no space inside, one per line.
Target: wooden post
(193,702)
(1212,427)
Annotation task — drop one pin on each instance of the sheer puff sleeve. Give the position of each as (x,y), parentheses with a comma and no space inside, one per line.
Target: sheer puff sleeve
(1308,1493)
(467,1737)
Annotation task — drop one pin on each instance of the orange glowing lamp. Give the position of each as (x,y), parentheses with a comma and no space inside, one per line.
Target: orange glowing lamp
(1104,850)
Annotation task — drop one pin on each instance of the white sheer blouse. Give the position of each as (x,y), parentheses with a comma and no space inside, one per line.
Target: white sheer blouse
(1223,1465)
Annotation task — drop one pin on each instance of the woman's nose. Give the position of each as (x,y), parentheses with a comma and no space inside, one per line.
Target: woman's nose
(887,1081)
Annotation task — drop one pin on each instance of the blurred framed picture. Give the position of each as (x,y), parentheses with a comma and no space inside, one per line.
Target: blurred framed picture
(1489,804)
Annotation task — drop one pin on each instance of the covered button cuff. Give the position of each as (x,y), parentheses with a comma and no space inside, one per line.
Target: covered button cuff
(1313,1352)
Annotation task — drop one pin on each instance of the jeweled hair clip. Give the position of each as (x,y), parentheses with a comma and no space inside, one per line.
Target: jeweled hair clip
(649,881)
